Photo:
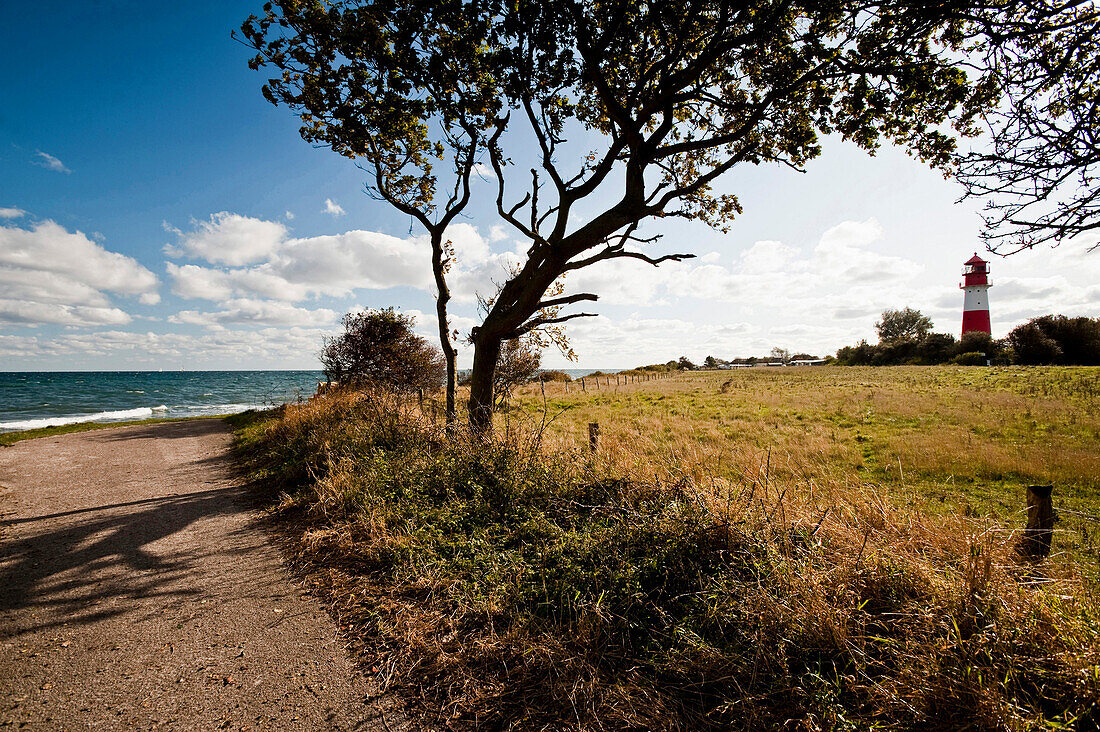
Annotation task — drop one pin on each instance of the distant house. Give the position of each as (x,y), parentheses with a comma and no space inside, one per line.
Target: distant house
(808,362)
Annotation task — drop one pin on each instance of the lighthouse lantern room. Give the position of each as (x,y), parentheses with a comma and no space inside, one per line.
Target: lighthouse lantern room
(975,287)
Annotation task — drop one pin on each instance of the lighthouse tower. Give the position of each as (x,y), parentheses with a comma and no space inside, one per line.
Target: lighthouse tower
(975,287)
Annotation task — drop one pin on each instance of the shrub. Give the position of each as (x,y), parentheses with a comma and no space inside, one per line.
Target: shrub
(971,358)
(379,347)
(554,376)
(517,364)
(1056,339)
(936,348)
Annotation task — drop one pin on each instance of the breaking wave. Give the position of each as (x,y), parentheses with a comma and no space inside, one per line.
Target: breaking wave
(113,416)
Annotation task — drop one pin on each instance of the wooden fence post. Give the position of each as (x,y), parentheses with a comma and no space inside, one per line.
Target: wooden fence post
(1039,534)
(593,436)
(582,386)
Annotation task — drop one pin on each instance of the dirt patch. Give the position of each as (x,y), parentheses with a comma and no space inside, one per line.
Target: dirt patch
(138,590)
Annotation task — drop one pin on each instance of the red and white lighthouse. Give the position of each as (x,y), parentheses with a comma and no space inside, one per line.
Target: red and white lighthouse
(975,287)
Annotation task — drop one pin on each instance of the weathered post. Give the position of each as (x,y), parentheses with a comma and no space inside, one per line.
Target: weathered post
(1039,534)
(582,386)
(593,436)
(420,398)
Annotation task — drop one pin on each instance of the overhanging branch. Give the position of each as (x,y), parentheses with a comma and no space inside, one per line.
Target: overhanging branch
(530,325)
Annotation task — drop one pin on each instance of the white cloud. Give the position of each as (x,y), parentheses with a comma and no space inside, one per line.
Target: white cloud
(11,213)
(51,275)
(815,296)
(228,238)
(767,257)
(24,312)
(266,263)
(288,216)
(333,208)
(17,346)
(638,339)
(49,162)
(483,171)
(298,268)
(272,346)
(257,312)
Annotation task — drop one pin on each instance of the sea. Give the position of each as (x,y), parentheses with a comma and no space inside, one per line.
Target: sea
(29,400)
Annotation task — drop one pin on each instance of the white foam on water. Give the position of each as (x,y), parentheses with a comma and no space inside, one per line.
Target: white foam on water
(182,410)
(115,416)
(201,410)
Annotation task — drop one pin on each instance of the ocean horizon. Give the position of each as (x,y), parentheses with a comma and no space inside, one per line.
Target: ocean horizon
(35,399)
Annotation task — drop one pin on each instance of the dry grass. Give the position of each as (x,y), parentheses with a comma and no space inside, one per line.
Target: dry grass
(946,440)
(721,563)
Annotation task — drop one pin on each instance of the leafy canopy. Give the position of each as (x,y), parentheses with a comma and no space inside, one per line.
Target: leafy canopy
(906,324)
(379,347)
(668,94)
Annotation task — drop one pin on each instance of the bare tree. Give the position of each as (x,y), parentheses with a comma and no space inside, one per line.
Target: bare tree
(1038,172)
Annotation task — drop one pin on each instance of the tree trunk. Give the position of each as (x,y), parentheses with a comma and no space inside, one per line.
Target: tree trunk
(443,296)
(486,353)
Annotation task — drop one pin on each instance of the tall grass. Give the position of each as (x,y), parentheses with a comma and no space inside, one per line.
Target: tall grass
(518,584)
(944,439)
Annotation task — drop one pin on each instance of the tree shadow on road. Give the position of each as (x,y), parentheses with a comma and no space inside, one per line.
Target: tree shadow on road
(88,564)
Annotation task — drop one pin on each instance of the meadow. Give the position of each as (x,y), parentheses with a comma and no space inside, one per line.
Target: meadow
(805,548)
(942,439)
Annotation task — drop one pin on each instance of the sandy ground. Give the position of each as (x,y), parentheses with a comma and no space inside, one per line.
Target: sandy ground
(137,591)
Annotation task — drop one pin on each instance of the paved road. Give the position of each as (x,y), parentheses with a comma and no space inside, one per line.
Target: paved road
(138,592)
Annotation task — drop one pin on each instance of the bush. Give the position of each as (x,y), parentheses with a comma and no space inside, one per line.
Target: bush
(378,347)
(517,364)
(936,348)
(971,358)
(1056,339)
(554,376)
(861,354)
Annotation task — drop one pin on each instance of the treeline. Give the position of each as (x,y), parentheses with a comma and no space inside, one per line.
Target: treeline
(905,337)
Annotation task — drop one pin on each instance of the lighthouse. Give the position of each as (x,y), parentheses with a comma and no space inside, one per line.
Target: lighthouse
(975,287)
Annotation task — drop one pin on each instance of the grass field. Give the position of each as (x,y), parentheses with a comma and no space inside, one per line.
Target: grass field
(960,440)
(802,548)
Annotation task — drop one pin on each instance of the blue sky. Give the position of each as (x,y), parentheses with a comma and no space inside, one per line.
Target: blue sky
(156,212)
